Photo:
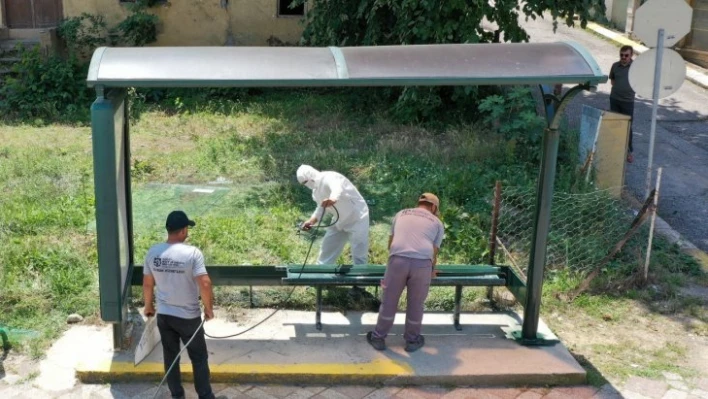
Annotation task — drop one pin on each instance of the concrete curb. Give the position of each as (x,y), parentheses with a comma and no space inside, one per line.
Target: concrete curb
(694,74)
(383,373)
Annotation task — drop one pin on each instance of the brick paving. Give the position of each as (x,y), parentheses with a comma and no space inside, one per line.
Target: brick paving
(635,387)
(670,386)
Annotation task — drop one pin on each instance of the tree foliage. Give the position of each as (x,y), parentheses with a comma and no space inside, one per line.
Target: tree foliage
(393,22)
(382,22)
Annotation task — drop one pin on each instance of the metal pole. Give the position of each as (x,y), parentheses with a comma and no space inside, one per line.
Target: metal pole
(542,218)
(495,223)
(542,221)
(654,105)
(493,234)
(651,228)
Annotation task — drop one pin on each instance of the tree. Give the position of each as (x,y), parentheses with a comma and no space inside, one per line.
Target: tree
(392,22)
(381,22)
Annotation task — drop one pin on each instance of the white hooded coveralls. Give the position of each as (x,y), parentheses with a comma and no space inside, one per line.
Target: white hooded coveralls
(353,222)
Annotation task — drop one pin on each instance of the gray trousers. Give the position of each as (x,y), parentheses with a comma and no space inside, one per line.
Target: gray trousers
(402,272)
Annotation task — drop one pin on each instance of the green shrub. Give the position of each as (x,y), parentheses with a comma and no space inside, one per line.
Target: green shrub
(138,29)
(83,34)
(50,88)
(514,116)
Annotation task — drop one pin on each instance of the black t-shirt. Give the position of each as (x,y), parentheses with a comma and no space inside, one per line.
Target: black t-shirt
(621,90)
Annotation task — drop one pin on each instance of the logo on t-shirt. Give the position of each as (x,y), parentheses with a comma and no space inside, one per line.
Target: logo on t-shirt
(167,265)
(419,213)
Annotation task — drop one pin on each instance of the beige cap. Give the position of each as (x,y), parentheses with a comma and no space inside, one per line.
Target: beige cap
(431,198)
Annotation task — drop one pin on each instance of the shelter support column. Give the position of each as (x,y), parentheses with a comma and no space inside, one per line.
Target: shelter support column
(112,192)
(542,219)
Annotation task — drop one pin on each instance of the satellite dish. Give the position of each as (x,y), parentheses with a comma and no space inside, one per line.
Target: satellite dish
(641,73)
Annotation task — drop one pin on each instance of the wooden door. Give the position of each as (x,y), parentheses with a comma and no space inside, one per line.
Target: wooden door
(19,14)
(47,13)
(33,14)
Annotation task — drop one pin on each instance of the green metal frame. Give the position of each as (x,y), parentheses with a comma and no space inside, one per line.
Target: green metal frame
(5,341)
(542,218)
(321,276)
(114,295)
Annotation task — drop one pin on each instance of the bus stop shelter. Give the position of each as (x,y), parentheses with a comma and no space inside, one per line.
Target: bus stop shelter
(113,70)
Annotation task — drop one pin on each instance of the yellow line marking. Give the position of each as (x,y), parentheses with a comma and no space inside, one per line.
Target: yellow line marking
(376,367)
(614,36)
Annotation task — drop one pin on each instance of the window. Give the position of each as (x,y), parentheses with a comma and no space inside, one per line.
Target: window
(284,9)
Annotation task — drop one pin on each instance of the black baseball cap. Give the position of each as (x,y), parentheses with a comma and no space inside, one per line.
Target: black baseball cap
(178,220)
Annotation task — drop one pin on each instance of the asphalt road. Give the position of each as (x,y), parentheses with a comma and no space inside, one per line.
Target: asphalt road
(681,147)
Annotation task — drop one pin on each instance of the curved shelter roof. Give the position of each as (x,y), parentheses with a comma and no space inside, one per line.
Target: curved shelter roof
(413,65)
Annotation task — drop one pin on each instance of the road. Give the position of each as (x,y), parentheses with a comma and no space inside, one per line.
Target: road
(681,147)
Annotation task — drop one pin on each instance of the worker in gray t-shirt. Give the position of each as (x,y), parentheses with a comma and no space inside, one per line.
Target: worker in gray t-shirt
(416,235)
(175,271)
(622,94)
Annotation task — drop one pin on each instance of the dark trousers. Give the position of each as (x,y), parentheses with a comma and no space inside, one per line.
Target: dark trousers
(172,330)
(624,108)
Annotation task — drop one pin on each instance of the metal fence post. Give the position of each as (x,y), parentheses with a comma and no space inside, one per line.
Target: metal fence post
(493,233)
(651,228)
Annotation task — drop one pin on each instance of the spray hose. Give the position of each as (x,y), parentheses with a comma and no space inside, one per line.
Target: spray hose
(282,303)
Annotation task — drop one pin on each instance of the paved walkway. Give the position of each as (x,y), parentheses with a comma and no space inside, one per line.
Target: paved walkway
(681,135)
(635,388)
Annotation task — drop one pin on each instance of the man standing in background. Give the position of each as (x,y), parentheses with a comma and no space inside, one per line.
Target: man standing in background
(622,95)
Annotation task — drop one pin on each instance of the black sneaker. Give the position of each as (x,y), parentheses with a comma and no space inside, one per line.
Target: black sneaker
(378,343)
(412,346)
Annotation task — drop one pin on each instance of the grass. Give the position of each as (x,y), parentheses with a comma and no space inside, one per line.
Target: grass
(247,152)
(642,362)
(244,154)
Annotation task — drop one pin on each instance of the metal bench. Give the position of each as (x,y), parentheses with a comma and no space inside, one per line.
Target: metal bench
(457,276)
(322,276)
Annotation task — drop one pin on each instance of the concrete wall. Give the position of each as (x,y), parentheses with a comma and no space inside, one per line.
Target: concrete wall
(2,16)
(608,9)
(204,22)
(699,25)
(619,14)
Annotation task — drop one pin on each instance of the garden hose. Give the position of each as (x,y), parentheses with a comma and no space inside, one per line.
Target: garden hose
(283,302)
(177,358)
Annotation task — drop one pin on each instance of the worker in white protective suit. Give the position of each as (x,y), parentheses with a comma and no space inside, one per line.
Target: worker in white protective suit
(333,189)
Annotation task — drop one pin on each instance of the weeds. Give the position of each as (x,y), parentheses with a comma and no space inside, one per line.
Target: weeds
(244,146)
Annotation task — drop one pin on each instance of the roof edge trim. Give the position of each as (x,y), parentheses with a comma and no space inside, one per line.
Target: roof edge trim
(340,62)
(92,76)
(587,57)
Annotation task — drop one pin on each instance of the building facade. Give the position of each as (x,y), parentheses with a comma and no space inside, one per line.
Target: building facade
(693,48)
(182,22)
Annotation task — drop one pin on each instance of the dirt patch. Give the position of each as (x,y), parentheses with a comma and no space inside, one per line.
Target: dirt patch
(623,338)
(16,368)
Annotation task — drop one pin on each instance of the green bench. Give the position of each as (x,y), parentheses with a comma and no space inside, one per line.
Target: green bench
(322,276)
(457,276)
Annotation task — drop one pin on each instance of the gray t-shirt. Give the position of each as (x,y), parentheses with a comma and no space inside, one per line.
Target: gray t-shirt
(621,90)
(174,267)
(416,232)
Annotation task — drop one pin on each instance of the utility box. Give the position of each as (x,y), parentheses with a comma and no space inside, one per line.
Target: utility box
(608,134)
